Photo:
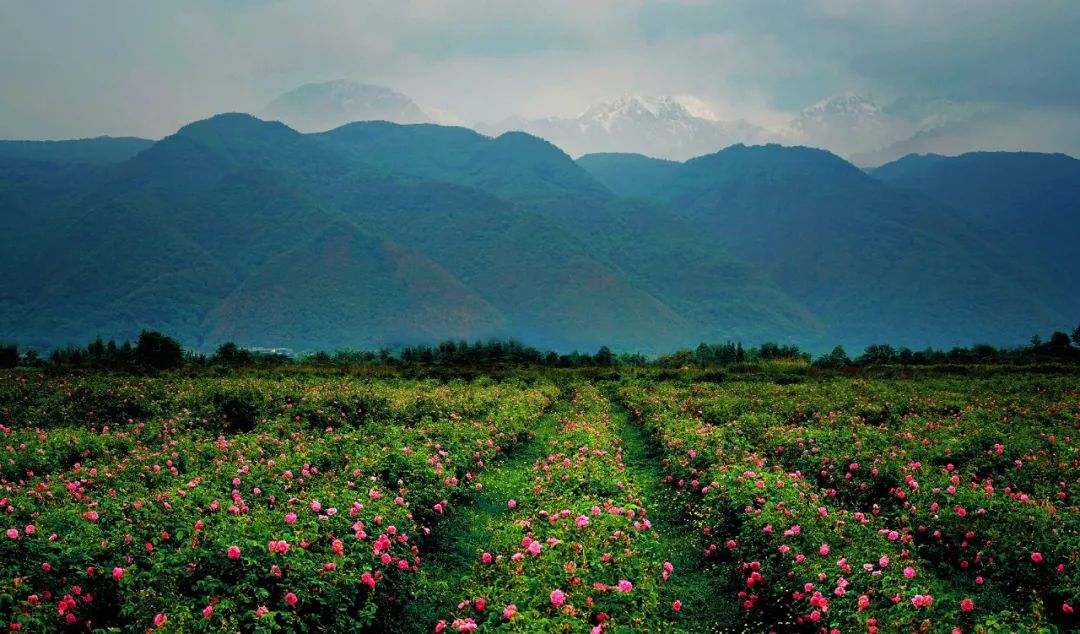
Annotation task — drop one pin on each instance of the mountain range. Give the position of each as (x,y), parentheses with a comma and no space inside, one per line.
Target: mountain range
(680,127)
(379,234)
(675,127)
(666,126)
(853,126)
(683,127)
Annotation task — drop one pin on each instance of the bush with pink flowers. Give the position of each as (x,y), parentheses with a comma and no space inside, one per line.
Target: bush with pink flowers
(180,522)
(881,505)
(575,552)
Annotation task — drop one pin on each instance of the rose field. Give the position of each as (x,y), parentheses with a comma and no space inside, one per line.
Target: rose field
(548,501)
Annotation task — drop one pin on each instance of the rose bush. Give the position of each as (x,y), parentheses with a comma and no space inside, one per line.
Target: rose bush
(312,515)
(881,505)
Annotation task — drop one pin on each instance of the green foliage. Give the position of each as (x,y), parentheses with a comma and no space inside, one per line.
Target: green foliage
(902,505)
(499,355)
(230,354)
(189,531)
(157,351)
(306,501)
(838,358)
(9,355)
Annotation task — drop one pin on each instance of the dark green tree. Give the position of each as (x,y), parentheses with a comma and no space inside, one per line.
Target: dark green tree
(9,355)
(158,351)
(838,358)
(232,355)
(1059,342)
(878,354)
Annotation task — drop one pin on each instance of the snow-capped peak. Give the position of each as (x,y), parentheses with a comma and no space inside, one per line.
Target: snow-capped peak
(696,107)
(845,104)
(846,123)
(606,113)
(672,126)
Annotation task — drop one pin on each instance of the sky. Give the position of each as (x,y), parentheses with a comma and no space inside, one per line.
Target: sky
(133,67)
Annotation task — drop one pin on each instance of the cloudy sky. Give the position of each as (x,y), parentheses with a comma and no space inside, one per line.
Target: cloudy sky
(145,68)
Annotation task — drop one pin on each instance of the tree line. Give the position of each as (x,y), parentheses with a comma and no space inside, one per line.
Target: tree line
(154,351)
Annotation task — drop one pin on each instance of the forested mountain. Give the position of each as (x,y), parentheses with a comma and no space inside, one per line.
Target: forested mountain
(871,261)
(378,234)
(1032,199)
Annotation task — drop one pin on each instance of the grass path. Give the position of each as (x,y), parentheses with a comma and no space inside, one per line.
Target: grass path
(707,607)
(466,532)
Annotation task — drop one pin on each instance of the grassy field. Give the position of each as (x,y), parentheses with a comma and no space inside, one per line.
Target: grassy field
(540,501)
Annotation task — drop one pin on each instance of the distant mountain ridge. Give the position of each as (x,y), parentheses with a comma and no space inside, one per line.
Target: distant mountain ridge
(96,151)
(846,124)
(680,127)
(666,126)
(322,106)
(378,234)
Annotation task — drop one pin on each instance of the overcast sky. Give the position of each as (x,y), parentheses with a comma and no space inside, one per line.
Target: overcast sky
(146,67)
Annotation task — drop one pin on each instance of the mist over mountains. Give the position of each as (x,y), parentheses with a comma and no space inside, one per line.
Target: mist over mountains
(322,106)
(849,125)
(680,127)
(379,234)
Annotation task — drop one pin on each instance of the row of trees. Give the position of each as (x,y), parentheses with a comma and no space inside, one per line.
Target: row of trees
(154,351)
(1059,348)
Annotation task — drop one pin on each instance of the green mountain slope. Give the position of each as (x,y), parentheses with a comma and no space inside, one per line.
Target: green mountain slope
(514,165)
(649,246)
(872,262)
(206,218)
(1033,199)
(547,282)
(35,199)
(122,267)
(631,175)
(346,286)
